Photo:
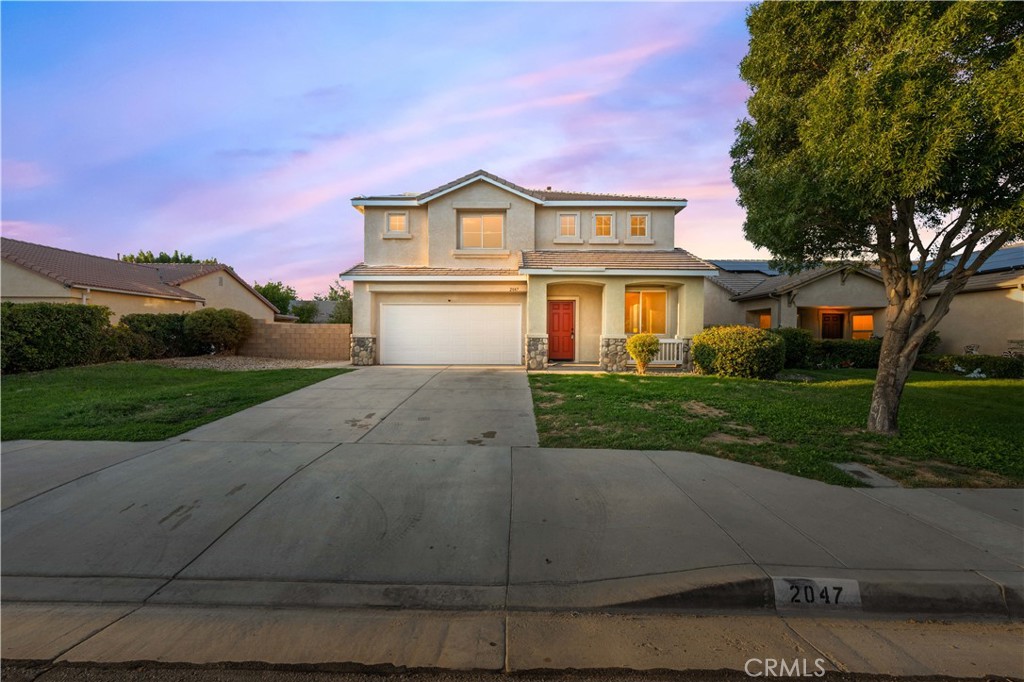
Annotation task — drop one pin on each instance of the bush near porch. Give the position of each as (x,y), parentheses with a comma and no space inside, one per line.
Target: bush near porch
(955,431)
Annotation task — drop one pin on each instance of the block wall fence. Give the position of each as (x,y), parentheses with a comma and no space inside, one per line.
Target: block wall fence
(291,341)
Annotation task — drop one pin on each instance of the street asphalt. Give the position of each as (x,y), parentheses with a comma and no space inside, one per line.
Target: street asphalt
(423,490)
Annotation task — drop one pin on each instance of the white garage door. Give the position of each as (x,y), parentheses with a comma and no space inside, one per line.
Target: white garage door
(451,334)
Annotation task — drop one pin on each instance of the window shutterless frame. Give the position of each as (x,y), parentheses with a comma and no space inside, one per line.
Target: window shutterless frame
(396,222)
(481,230)
(604,225)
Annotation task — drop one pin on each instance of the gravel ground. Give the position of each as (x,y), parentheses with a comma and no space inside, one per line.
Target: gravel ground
(242,363)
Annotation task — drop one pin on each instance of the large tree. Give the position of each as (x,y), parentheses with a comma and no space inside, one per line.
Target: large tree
(278,293)
(891,132)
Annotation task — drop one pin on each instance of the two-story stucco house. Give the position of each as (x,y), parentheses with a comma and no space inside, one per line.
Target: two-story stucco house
(483,271)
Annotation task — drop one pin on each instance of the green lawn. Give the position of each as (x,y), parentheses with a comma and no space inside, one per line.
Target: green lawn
(954,432)
(135,401)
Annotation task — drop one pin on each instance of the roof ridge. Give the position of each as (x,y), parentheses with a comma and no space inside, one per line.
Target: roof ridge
(77,253)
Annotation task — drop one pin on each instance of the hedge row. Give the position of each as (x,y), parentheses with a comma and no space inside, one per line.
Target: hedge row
(978,366)
(39,336)
(738,351)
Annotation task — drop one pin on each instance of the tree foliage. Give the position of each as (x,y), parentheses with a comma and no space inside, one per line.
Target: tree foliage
(338,292)
(164,257)
(306,311)
(891,132)
(278,293)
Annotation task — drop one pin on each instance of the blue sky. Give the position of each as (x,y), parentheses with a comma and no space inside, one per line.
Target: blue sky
(241,131)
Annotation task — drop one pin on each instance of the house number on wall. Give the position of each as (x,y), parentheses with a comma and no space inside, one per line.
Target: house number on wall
(513,290)
(827,593)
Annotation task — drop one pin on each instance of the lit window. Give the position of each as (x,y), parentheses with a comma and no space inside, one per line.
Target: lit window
(603,225)
(645,312)
(638,225)
(863,326)
(482,231)
(764,320)
(567,225)
(397,222)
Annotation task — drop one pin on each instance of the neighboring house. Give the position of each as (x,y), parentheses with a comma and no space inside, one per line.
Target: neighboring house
(34,273)
(842,301)
(845,301)
(734,278)
(988,314)
(483,271)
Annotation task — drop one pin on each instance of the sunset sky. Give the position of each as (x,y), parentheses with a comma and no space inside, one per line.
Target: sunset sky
(241,131)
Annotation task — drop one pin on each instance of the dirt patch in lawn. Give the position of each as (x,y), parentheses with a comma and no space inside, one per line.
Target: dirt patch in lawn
(733,439)
(548,399)
(930,473)
(701,410)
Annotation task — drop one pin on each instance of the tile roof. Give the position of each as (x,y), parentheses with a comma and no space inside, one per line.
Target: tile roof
(72,268)
(677,259)
(784,283)
(421,271)
(539,194)
(738,282)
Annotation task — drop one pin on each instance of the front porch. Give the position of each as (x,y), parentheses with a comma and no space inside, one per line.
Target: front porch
(584,320)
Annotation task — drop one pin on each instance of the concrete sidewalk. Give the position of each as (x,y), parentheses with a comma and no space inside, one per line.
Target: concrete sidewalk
(318,503)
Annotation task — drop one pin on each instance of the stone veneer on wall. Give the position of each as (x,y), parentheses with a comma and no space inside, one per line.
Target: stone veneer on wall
(364,350)
(613,354)
(536,352)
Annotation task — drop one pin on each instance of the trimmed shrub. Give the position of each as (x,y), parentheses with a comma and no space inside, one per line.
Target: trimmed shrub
(38,336)
(642,348)
(218,330)
(860,353)
(980,366)
(738,351)
(799,345)
(165,332)
(122,343)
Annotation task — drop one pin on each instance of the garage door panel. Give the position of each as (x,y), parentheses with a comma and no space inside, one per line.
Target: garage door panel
(451,334)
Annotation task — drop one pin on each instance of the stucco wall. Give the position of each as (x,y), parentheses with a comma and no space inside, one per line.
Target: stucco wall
(984,318)
(380,248)
(443,220)
(298,341)
(718,309)
(858,291)
(125,304)
(20,285)
(662,224)
(810,318)
(221,290)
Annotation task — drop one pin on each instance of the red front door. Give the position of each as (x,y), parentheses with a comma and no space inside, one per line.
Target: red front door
(562,330)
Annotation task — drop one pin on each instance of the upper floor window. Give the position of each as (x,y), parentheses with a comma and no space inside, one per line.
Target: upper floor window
(568,225)
(604,225)
(638,226)
(481,230)
(398,222)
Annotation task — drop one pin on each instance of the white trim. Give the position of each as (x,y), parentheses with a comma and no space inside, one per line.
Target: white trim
(384,202)
(605,202)
(648,228)
(575,325)
(91,288)
(477,178)
(396,235)
(436,278)
(612,271)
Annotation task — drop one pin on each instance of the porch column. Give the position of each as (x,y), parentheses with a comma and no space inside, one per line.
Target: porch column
(536,323)
(690,315)
(613,326)
(363,343)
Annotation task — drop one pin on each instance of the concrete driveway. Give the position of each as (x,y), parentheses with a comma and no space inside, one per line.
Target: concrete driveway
(393,405)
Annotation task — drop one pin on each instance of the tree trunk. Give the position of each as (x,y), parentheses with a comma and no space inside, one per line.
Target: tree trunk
(894,364)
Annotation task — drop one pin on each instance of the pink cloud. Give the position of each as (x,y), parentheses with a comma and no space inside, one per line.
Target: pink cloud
(39,233)
(19,174)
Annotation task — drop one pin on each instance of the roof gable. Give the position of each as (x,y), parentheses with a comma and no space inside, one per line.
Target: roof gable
(781,284)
